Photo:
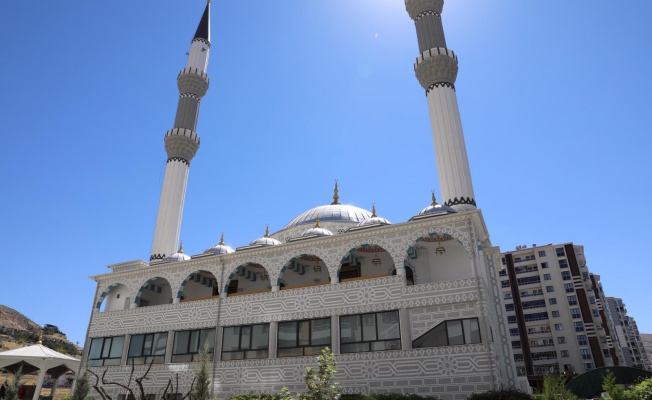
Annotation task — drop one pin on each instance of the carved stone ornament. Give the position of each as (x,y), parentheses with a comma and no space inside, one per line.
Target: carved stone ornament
(435,66)
(181,143)
(193,80)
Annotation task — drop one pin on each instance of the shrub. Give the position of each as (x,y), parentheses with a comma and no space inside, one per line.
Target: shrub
(82,388)
(554,389)
(642,391)
(509,394)
(14,384)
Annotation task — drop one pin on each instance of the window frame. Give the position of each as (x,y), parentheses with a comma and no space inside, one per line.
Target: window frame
(370,343)
(104,359)
(464,333)
(194,355)
(248,353)
(147,358)
(296,337)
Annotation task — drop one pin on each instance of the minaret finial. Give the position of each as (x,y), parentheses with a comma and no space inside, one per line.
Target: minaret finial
(221,243)
(373,210)
(40,338)
(317,222)
(434,199)
(180,247)
(267,231)
(336,197)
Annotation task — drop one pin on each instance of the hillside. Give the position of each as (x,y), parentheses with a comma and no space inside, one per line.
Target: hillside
(16,330)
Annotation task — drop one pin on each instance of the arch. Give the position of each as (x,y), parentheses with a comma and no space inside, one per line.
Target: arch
(113,297)
(154,292)
(410,274)
(303,271)
(199,285)
(248,278)
(365,261)
(436,257)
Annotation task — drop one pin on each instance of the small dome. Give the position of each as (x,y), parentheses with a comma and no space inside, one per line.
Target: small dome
(374,219)
(436,208)
(334,212)
(219,248)
(178,256)
(265,240)
(317,232)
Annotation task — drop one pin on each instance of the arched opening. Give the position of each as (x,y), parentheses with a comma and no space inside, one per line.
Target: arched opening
(303,271)
(410,277)
(154,292)
(115,297)
(200,285)
(365,262)
(438,258)
(248,278)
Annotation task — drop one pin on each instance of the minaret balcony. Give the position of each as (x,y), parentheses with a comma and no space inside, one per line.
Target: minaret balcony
(436,65)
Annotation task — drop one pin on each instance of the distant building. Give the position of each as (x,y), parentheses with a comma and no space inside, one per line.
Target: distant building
(630,348)
(555,315)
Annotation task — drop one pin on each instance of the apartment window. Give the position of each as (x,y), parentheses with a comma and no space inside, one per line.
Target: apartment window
(596,312)
(504,284)
(535,316)
(575,313)
(507,296)
(188,344)
(572,300)
(588,366)
(544,355)
(450,333)
(561,340)
(528,280)
(511,319)
(555,313)
(564,353)
(560,252)
(565,275)
(147,348)
(550,289)
(559,327)
(569,287)
(586,354)
(503,260)
(547,277)
(516,344)
(582,340)
(563,263)
(245,342)
(518,357)
(370,332)
(509,307)
(513,332)
(579,326)
(592,299)
(542,253)
(303,338)
(552,301)
(526,305)
(106,351)
(544,265)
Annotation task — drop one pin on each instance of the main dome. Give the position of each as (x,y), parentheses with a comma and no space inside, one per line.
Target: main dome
(331,213)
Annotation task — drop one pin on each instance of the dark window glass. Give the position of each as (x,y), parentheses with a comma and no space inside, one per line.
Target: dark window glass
(106,351)
(245,342)
(456,332)
(188,345)
(370,332)
(303,338)
(147,348)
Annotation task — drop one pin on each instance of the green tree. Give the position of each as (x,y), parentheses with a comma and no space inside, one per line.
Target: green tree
(554,389)
(614,390)
(642,391)
(82,388)
(14,384)
(320,384)
(202,388)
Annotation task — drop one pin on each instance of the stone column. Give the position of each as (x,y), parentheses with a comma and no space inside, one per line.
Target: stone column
(273,339)
(404,323)
(335,334)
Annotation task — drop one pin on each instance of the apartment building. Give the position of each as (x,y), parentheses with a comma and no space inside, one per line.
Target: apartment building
(629,346)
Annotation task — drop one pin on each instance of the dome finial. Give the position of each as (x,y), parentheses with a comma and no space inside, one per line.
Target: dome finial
(317,222)
(180,247)
(222,240)
(336,197)
(373,210)
(267,231)
(434,200)
(40,338)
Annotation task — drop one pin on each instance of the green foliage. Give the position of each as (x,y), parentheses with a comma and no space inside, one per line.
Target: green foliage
(554,389)
(614,390)
(321,385)
(82,388)
(256,397)
(14,384)
(202,387)
(509,394)
(642,391)
(67,397)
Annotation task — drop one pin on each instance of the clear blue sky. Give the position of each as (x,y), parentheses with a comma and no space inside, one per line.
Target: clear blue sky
(554,99)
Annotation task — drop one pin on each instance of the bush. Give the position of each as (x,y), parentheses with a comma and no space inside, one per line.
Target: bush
(642,391)
(510,394)
(554,388)
(82,388)
(14,384)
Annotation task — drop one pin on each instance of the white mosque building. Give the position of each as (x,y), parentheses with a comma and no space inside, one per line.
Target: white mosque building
(412,306)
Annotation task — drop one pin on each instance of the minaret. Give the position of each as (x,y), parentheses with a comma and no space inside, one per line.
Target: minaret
(436,70)
(182,141)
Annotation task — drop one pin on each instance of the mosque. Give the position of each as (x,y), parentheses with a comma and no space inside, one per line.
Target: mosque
(408,307)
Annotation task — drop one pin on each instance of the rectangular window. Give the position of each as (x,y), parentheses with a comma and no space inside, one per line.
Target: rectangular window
(596,312)
(516,344)
(563,263)
(509,307)
(188,345)
(575,313)
(450,333)
(542,253)
(370,332)
(582,340)
(504,284)
(550,289)
(586,354)
(579,326)
(564,353)
(511,319)
(518,357)
(245,342)
(559,327)
(303,338)
(552,301)
(569,287)
(561,340)
(588,366)
(560,251)
(547,277)
(528,280)
(147,348)
(513,332)
(592,299)
(544,265)
(572,300)
(535,316)
(526,305)
(555,313)
(106,351)
(565,275)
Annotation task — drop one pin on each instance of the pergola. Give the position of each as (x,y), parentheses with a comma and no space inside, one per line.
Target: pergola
(42,359)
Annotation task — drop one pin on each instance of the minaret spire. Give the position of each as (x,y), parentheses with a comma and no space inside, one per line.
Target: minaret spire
(436,70)
(182,142)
